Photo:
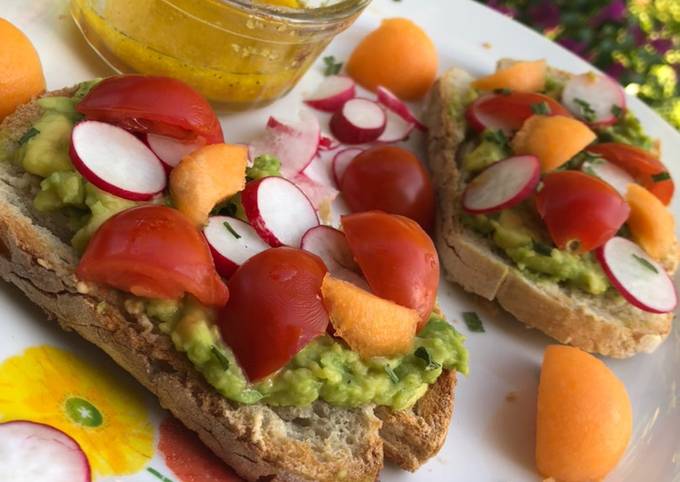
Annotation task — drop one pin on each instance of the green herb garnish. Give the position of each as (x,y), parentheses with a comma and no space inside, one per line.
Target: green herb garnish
(645,263)
(332,67)
(32,132)
(424,355)
(390,372)
(542,248)
(503,91)
(231,230)
(541,108)
(158,475)
(587,111)
(617,111)
(662,176)
(473,322)
(497,136)
(224,361)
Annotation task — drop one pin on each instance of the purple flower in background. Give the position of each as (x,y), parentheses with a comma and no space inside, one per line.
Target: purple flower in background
(639,36)
(662,45)
(574,45)
(615,70)
(614,12)
(500,6)
(545,15)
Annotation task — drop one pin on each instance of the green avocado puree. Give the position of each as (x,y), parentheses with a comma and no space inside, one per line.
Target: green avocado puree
(325,369)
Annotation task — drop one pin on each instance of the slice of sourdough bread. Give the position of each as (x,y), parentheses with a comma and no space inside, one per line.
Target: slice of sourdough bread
(600,324)
(315,443)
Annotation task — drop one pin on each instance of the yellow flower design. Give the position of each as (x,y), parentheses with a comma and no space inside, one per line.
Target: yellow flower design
(108,419)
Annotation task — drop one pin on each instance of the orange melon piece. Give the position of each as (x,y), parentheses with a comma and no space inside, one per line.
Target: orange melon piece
(398,55)
(584,420)
(370,325)
(21,75)
(206,177)
(526,76)
(650,221)
(553,139)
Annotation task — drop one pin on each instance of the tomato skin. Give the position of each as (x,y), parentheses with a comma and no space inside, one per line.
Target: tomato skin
(640,164)
(275,309)
(579,207)
(159,105)
(390,179)
(397,258)
(155,252)
(509,110)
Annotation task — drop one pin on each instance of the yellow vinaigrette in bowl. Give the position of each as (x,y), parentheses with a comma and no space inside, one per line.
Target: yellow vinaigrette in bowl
(242,53)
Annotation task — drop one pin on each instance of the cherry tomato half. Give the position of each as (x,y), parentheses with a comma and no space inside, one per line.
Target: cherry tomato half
(390,179)
(155,252)
(397,258)
(275,309)
(578,208)
(509,111)
(642,165)
(159,105)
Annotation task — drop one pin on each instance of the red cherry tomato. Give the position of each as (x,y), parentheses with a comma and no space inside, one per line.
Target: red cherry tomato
(509,111)
(397,258)
(275,309)
(580,208)
(390,179)
(155,252)
(640,164)
(159,105)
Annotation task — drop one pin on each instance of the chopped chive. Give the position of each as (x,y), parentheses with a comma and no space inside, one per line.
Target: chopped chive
(332,67)
(497,136)
(32,132)
(542,248)
(541,108)
(390,372)
(158,475)
(424,355)
(473,322)
(231,230)
(587,111)
(645,263)
(502,91)
(617,111)
(224,361)
(662,176)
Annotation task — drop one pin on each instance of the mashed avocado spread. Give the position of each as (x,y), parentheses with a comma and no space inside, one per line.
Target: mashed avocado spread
(325,369)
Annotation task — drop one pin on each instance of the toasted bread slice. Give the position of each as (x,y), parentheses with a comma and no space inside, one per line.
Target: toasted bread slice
(609,326)
(316,443)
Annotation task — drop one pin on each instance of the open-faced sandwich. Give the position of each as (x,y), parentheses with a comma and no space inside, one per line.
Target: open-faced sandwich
(554,203)
(296,351)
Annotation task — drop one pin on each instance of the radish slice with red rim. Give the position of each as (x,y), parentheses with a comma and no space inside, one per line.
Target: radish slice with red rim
(331,246)
(328,143)
(278,210)
(170,150)
(396,129)
(293,143)
(387,98)
(358,121)
(502,185)
(317,192)
(116,161)
(609,173)
(341,160)
(641,280)
(332,93)
(34,451)
(595,98)
(232,242)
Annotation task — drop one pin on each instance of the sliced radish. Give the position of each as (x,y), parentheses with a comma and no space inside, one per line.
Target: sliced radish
(328,143)
(232,242)
(640,279)
(396,129)
(170,150)
(387,98)
(597,99)
(116,161)
(334,91)
(331,246)
(294,144)
(341,160)
(278,210)
(609,173)
(502,185)
(31,452)
(318,193)
(358,121)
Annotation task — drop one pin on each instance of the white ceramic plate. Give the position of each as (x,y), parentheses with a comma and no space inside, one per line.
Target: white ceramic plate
(492,437)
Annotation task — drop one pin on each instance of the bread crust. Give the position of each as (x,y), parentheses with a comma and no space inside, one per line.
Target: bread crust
(617,329)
